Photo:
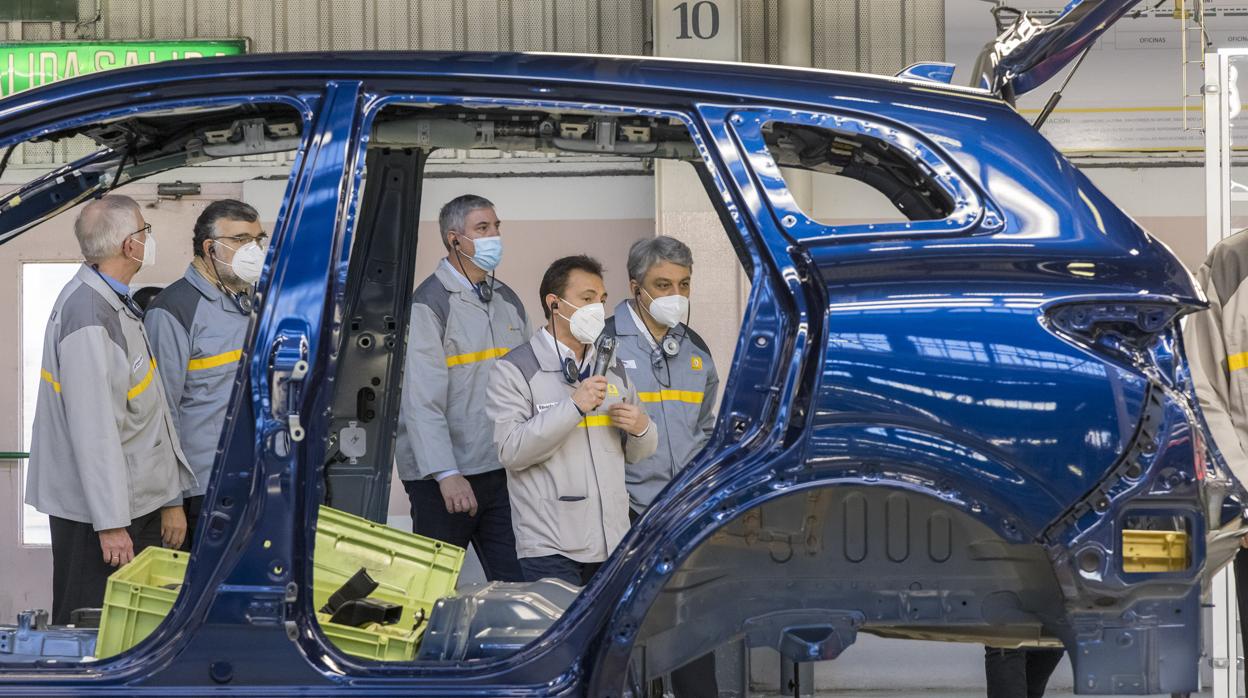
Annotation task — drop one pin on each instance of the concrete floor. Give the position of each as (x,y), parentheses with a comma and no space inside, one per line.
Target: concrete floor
(936,694)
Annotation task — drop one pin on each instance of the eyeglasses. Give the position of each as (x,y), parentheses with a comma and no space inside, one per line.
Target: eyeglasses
(244,238)
(147,229)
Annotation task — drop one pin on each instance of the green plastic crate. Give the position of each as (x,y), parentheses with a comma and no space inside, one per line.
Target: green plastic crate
(411,570)
(136,599)
(385,643)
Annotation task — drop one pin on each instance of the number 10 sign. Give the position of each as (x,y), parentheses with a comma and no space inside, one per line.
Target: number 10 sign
(707,29)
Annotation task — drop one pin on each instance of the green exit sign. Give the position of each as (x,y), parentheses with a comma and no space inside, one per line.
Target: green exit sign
(27,65)
(39,10)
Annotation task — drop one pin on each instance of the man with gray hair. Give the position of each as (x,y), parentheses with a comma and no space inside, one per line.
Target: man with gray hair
(198,325)
(105,462)
(462,320)
(676,380)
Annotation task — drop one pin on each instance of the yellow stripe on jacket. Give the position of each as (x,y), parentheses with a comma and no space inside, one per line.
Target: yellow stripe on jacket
(595,420)
(47,376)
(147,380)
(208,362)
(690,396)
(473,357)
(1235,362)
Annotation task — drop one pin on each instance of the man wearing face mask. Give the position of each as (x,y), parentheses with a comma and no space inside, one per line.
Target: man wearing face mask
(197,326)
(462,321)
(565,433)
(670,364)
(105,464)
(676,381)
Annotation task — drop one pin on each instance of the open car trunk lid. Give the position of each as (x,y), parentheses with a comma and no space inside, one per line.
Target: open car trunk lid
(1028,52)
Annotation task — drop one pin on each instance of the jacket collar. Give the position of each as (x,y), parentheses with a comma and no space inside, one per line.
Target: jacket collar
(451,278)
(196,278)
(89,276)
(546,349)
(453,285)
(210,290)
(547,356)
(624,324)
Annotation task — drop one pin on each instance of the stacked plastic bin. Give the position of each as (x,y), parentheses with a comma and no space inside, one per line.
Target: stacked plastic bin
(410,570)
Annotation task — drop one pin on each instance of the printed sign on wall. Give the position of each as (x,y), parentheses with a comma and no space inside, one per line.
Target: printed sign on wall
(26,65)
(708,29)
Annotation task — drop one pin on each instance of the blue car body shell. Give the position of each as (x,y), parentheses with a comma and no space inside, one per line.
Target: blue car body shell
(1019,364)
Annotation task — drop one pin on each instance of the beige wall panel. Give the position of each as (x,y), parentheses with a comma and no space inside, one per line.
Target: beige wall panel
(302,26)
(716,300)
(24,576)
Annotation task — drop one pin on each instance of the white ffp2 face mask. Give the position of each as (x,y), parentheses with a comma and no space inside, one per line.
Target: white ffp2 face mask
(668,310)
(149,252)
(587,322)
(248,262)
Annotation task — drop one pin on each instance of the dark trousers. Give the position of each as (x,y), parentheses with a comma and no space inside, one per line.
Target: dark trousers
(79,572)
(192,506)
(697,678)
(1019,673)
(558,567)
(489,531)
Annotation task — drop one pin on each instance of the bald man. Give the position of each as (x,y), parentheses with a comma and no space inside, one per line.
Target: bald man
(105,462)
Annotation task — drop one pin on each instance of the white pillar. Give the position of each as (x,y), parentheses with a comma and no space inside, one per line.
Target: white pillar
(1224,652)
(796,49)
(710,30)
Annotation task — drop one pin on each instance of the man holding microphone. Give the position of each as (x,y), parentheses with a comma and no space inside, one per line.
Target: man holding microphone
(564,432)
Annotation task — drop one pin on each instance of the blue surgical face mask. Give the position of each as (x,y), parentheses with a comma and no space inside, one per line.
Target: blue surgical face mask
(489,252)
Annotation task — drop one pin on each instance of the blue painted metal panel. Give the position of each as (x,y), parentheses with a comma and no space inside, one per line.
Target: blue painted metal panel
(929,72)
(934,364)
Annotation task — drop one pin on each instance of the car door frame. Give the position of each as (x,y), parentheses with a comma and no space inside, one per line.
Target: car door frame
(256,610)
(769,354)
(236,590)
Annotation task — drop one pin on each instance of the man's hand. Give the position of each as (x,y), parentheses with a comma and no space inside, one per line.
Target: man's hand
(590,393)
(1243,542)
(630,418)
(117,546)
(173,526)
(457,495)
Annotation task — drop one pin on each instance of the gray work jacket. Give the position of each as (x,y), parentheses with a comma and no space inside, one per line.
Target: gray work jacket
(1216,341)
(565,470)
(197,335)
(684,408)
(452,342)
(104,450)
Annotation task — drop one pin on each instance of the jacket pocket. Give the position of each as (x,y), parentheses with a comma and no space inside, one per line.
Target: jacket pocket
(570,479)
(569,516)
(606,436)
(152,480)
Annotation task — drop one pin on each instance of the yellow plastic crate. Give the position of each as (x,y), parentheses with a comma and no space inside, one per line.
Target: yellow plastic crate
(137,598)
(385,643)
(1154,551)
(411,570)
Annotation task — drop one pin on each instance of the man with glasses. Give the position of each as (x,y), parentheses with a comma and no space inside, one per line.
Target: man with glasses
(105,463)
(676,381)
(197,326)
(462,321)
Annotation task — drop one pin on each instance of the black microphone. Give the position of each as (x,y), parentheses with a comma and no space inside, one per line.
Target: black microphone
(604,350)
